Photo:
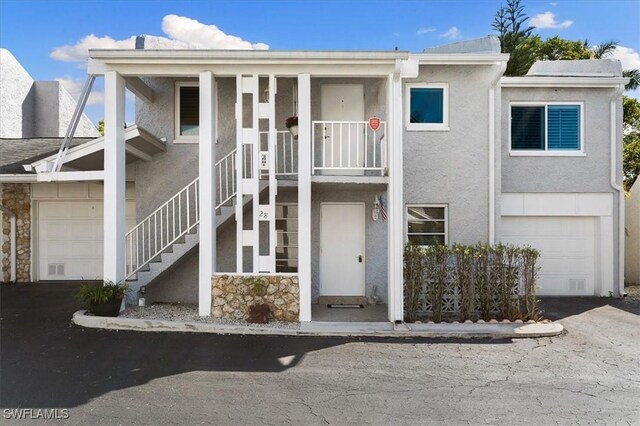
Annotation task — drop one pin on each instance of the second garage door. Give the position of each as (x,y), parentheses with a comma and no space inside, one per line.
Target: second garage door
(567,248)
(70,239)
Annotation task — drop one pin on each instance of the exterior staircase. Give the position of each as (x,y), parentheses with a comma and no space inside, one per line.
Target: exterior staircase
(171,231)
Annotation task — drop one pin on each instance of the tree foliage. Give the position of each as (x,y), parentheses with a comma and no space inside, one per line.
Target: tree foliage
(631,141)
(101,127)
(510,22)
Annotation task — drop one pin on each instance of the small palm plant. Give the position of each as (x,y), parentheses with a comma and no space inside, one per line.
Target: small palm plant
(105,299)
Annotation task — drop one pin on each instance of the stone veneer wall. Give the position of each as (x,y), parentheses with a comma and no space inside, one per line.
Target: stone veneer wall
(233,294)
(17,198)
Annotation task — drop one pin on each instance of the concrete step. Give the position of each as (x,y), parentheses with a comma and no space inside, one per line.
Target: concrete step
(343,300)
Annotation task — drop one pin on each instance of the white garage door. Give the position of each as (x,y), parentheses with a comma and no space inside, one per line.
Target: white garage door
(70,238)
(567,248)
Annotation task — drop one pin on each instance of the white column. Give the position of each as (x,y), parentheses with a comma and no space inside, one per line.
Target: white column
(114,178)
(207,188)
(395,226)
(304,194)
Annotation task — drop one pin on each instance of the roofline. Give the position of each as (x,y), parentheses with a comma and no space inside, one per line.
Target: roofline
(245,55)
(562,81)
(460,58)
(18,178)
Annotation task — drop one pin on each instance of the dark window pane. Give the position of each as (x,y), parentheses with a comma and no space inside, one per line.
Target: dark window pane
(527,128)
(189,110)
(425,213)
(426,227)
(286,266)
(427,105)
(563,127)
(286,211)
(427,240)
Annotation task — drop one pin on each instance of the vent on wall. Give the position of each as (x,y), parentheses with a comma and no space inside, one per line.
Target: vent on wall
(56,269)
(577,284)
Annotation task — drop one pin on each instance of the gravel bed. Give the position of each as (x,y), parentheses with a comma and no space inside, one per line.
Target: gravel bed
(189,313)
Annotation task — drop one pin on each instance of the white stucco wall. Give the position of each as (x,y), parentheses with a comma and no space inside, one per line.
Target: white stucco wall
(632,241)
(15,84)
(35,109)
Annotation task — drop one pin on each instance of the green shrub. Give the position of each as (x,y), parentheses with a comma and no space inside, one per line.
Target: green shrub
(94,294)
(479,281)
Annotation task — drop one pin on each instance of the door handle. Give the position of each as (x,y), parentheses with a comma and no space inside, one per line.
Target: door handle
(360,259)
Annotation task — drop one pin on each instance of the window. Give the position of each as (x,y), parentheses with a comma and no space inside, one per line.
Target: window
(546,129)
(427,106)
(427,225)
(287,237)
(187,112)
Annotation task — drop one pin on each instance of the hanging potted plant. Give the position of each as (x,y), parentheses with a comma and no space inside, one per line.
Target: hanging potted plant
(292,125)
(103,300)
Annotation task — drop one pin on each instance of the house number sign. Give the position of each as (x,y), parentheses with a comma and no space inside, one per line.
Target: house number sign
(264,160)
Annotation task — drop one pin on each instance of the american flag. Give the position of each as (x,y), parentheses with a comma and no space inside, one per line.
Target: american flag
(383,211)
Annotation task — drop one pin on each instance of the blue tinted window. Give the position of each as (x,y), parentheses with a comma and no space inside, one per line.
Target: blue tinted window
(427,105)
(563,122)
(527,128)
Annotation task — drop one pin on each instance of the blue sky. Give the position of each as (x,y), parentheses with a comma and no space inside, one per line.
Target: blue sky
(48,37)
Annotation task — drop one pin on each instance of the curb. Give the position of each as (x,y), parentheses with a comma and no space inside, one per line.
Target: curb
(333,329)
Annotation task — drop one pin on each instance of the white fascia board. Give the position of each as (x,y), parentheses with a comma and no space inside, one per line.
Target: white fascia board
(229,62)
(563,81)
(297,56)
(460,58)
(18,178)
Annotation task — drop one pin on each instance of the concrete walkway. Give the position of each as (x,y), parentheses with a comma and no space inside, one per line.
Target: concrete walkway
(342,329)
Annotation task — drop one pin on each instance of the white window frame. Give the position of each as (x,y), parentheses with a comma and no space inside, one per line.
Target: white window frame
(446,221)
(549,153)
(178,138)
(437,127)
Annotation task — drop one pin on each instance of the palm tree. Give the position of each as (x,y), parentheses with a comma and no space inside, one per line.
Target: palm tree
(606,49)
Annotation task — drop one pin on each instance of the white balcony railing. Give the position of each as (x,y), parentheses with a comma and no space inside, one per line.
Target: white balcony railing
(348,148)
(286,152)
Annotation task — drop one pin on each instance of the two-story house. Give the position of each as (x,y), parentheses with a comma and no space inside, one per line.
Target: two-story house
(435,147)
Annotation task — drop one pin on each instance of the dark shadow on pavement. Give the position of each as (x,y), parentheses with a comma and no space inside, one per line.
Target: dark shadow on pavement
(557,308)
(47,362)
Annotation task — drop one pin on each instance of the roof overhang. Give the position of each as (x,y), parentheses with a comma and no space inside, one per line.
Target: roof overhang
(186,62)
(18,178)
(140,145)
(564,81)
(460,58)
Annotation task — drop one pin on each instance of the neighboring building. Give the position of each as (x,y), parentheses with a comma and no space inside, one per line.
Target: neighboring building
(35,109)
(632,242)
(438,143)
(34,116)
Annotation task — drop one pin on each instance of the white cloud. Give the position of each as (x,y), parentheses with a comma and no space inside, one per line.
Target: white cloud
(553,3)
(451,33)
(74,87)
(182,32)
(629,58)
(396,34)
(548,20)
(423,31)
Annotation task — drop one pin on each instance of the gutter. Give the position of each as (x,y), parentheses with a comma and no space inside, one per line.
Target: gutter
(492,151)
(614,183)
(18,178)
(13,242)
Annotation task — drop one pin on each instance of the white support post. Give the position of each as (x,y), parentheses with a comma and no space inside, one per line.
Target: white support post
(395,228)
(304,194)
(273,182)
(114,177)
(207,161)
(240,164)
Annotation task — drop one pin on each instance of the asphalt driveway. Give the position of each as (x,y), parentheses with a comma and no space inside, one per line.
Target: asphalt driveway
(591,374)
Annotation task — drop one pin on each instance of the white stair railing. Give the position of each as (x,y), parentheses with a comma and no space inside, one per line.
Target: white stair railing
(175,218)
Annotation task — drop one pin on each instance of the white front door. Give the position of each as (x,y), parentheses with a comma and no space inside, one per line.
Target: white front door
(343,143)
(342,249)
